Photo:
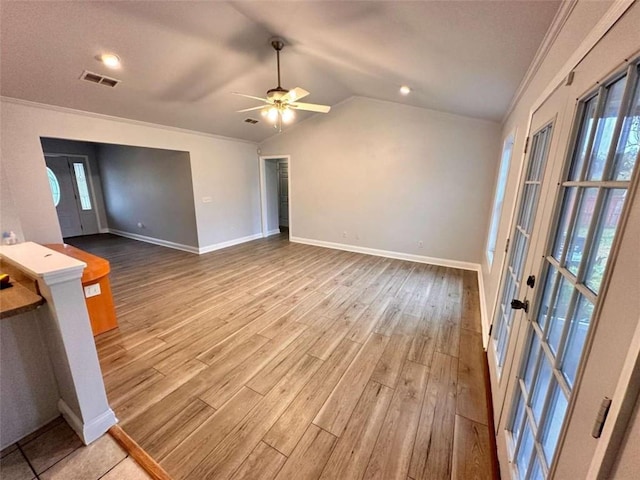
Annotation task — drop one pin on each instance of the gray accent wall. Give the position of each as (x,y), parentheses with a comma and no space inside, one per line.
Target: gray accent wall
(152,187)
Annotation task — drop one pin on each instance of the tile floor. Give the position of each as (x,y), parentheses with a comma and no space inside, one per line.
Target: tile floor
(54,452)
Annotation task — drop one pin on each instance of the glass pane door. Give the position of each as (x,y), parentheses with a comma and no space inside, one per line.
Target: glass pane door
(588,212)
(520,238)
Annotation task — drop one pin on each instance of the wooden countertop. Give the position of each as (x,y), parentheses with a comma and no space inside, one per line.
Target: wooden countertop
(96,268)
(18,299)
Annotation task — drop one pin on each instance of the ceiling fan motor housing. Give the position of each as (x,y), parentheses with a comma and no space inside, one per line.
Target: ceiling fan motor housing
(277,93)
(277,43)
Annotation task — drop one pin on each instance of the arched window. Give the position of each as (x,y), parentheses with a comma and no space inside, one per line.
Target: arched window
(55,186)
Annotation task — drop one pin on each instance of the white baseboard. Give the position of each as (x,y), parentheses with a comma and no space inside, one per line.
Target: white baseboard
(103,230)
(273,232)
(442,262)
(155,241)
(186,248)
(484,315)
(229,243)
(88,432)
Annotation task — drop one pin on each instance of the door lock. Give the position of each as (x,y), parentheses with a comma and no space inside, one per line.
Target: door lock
(520,305)
(531,281)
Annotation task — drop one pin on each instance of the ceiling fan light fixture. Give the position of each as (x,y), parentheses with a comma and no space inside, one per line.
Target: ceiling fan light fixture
(288,115)
(272,114)
(282,103)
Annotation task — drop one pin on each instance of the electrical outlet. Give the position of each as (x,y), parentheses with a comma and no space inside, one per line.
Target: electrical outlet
(357,236)
(92,290)
(140,225)
(344,234)
(420,244)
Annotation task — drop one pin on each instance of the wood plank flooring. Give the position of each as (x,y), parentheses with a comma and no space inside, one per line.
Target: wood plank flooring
(279,360)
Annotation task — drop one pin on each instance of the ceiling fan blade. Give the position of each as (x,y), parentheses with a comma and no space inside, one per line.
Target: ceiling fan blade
(295,94)
(250,109)
(310,107)
(251,96)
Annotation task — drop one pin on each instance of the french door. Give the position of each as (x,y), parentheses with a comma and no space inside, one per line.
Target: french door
(576,245)
(513,301)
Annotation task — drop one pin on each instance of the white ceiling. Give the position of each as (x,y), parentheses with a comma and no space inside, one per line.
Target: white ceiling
(181,60)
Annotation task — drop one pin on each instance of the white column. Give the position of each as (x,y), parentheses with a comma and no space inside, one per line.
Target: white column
(68,336)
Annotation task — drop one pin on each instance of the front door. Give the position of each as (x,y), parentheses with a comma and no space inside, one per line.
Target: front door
(71,195)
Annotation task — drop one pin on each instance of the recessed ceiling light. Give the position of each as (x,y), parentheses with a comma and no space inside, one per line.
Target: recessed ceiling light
(110,60)
(404,90)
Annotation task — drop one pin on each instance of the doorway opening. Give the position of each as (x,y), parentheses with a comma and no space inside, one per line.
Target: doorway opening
(274,195)
(141,193)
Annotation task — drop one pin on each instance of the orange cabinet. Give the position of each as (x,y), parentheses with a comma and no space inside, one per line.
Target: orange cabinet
(97,289)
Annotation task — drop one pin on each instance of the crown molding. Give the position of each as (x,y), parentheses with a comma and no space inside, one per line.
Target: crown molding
(101,116)
(606,22)
(558,22)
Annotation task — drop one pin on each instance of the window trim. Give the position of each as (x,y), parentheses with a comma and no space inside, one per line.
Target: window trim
(497,204)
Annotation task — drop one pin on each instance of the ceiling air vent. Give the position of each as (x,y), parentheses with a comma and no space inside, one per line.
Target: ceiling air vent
(252,121)
(99,79)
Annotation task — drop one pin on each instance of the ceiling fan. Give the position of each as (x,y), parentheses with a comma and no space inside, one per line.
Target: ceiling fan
(280,102)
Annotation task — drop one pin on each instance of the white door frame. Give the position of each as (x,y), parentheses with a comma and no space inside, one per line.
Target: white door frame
(92,190)
(622,405)
(263,191)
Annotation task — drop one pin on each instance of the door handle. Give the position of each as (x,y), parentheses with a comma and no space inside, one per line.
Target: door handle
(520,305)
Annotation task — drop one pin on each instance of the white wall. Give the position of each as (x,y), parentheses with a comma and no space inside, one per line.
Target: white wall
(29,390)
(9,216)
(390,176)
(224,169)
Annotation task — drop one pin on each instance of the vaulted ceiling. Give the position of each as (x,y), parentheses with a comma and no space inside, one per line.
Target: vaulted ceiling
(181,60)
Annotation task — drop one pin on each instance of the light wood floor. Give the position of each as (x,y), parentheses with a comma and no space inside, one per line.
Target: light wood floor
(279,360)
